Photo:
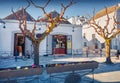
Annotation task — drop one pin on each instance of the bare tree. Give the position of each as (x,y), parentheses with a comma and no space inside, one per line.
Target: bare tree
(106,32)
(51,24)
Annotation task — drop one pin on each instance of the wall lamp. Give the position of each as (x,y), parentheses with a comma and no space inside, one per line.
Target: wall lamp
(73,29)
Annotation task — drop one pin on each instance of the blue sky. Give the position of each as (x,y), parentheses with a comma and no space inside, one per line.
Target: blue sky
(82,7)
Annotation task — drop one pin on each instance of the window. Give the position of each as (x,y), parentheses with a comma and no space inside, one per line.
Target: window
(84,35)
(103,45)
(85,43)
(93,36)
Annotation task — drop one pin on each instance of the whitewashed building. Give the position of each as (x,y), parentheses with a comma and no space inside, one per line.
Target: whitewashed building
(62,41)
(87,40)
(101,18)
(89,34)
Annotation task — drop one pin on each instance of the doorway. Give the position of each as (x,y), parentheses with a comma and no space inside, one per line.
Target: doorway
(59,44)
(19,44)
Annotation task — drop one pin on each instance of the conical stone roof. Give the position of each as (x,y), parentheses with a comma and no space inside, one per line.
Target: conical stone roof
(20,12)
(56,14)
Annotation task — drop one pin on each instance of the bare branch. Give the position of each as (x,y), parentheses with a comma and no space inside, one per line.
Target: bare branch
(47,3)
(35,4)
(22,19)
(38,18)
(114,24)
(42,8)
(107,21)
(16,15)
(87,15)
(113,28)
(114,18)
(98,30)
(93,18)
(116,33)
(95,24)
(65,7)
(27,5)
(19,19)
(34,28)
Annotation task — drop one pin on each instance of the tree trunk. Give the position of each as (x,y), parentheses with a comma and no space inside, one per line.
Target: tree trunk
(108,58)
(36,53)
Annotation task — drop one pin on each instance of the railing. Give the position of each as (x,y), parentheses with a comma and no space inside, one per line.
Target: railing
(6,54)
(44,52)
(112,51)
(76,51)
(98,52)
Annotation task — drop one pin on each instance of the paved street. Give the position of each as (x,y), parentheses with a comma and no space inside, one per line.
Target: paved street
(103,74)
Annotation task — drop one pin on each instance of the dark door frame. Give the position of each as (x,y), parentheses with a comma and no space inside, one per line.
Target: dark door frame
(16,36)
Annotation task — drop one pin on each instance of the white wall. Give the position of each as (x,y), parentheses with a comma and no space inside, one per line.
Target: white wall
(67,30)
(7,35)
(88,33)
(6,38)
